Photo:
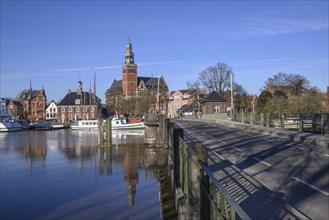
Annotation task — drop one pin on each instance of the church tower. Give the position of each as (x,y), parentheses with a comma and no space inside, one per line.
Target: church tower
(129,73)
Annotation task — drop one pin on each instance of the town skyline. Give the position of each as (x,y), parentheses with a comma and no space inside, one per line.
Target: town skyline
(56,44)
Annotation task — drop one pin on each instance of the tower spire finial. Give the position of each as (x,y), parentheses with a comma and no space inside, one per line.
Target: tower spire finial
(128,36)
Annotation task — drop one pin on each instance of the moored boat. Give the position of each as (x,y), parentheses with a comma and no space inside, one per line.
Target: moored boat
(117,124)
(8,124)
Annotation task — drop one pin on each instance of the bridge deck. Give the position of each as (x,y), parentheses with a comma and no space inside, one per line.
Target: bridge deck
(254,198)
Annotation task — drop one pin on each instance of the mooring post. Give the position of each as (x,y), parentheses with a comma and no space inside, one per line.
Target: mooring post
(109,130)
(165,130)
(100,131)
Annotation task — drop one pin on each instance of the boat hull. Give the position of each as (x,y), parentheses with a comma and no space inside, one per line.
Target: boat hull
(116,125)
(5,127)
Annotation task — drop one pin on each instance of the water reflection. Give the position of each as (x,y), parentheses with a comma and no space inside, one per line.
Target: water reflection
(75,174)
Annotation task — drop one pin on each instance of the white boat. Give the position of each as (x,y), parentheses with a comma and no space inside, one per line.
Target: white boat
(84,125)
(8,124)
(117,124)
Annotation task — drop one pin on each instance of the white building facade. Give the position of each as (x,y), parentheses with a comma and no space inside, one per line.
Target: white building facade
(51,111)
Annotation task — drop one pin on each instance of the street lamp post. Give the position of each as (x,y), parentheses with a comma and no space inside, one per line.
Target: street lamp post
(231,94)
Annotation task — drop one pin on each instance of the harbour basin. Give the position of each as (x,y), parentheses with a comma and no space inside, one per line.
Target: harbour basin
(64,174)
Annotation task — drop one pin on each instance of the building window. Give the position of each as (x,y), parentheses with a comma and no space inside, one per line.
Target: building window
(91,108)
(70,116)
(70,109)
(216,109)
(63,109)
(84,108)
(77,108)
(131,93)
(77,101)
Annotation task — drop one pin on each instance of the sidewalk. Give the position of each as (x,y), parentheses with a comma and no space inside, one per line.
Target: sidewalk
(309,138)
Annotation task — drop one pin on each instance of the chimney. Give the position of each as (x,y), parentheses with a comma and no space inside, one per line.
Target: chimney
(69,91)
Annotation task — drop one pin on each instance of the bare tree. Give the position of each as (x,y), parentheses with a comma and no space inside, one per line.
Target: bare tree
(193,84)
(296,84)
(20,95)
(216,78)
(279,79)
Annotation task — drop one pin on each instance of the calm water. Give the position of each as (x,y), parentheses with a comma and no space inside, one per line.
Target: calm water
(62,174)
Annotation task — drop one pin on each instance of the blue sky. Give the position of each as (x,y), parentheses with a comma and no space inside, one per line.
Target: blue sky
(50,43)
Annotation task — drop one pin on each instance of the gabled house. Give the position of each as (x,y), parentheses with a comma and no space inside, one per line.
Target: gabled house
(51,111)
(213,103)
(34,105)
(78,105)
(15,108)
(179,98)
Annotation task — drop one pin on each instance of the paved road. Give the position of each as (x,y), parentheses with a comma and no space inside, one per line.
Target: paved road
(297,171)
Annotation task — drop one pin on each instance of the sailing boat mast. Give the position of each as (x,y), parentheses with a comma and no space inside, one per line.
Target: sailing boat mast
(95,112)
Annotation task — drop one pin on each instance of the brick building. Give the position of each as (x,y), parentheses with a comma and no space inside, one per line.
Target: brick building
(213,103)
(15,108)
(184,97)
(78,105)
(34,105)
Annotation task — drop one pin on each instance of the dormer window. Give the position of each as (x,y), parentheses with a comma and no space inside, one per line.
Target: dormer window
(77,101)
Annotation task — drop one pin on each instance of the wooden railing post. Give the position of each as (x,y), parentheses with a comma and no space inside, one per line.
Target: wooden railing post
(301,122)
(262,119)
(177,133)
(267,122)
(195,153)
(281,119)
(204,192)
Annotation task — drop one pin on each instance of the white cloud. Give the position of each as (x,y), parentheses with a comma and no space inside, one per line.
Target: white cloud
(263,27)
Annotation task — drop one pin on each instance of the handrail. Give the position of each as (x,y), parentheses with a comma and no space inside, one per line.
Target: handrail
(243,215)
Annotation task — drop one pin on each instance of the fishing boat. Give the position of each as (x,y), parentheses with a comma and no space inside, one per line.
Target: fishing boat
(8,124)
(117,123)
